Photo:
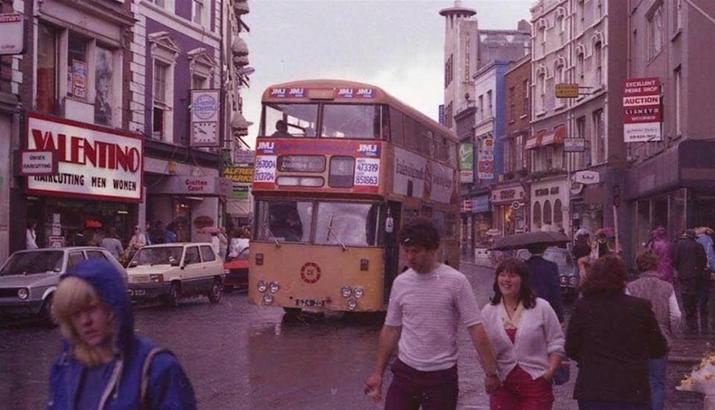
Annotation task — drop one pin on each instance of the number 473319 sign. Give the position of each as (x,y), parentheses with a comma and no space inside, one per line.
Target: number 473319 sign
(205,108)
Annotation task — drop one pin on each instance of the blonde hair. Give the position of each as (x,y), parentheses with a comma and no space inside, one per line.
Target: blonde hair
(73,295)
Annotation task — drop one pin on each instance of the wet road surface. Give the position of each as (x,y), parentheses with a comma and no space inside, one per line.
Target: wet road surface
(240,356)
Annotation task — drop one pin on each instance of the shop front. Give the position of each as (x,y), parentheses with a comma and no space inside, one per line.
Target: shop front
(190,203)
(549,201)
(675,190)
(510,203)
(96,185)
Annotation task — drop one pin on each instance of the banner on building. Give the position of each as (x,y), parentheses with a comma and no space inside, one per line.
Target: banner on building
(466,162)
(642,110)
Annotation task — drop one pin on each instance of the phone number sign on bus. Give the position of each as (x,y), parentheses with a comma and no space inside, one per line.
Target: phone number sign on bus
(367,171)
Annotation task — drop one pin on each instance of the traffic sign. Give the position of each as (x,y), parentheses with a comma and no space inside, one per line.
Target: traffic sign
(566,90)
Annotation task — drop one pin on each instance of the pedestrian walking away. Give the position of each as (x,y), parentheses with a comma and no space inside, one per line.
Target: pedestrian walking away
(527,338)
(104,365)
(612,336)
(661,247)
(112,243)
(661,295)
(544,279)
(703,237)
(427,303)
(690,260)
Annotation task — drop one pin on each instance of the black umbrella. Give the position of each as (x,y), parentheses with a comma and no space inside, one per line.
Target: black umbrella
(524,240)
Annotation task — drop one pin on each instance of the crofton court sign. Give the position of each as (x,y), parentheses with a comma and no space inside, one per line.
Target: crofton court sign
(93,162)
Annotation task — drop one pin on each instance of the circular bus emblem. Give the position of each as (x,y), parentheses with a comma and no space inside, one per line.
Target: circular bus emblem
(310,272)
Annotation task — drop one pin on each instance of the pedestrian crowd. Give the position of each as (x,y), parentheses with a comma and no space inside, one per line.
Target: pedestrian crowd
(619,332)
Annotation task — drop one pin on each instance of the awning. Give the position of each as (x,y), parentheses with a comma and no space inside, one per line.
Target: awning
(542,138)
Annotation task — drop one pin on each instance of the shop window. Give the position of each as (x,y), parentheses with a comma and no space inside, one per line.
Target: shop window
(547,212)
(536,215)
(47,73)
(207,254)
(558,214)
(192,255)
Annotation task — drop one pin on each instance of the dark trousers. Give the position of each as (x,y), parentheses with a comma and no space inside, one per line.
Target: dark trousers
(689,294)
(610,405)
(703,296)
(411,388)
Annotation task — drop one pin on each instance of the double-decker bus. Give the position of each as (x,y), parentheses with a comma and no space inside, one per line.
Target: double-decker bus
(339,167)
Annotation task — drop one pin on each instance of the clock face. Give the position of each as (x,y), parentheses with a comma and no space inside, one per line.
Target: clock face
(204,132)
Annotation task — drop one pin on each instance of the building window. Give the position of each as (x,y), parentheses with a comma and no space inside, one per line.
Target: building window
(580,67)
(448,72)
(678,15)
(490,113)
(77,67)
(655,32)
(559,72)
(481,108)
(47,72)
(599,136)
(512,104)
(598,59)
(160,3)
(542,91)
(525,103)
(581,161)
(678,103)
(199,82)
(197,11)
(448,118)
(161,106)
(103,78)
(519,148)
(509,155)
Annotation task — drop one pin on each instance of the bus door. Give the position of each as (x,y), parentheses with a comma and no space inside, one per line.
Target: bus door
(392,248)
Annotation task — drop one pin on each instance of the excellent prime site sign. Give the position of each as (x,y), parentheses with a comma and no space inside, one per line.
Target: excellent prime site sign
(642,110)
(93,162)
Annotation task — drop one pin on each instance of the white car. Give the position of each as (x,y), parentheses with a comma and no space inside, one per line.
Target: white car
(175,270)
(28,278)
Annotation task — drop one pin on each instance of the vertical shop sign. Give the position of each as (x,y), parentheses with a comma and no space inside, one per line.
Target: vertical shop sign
(466,162)
(485,159)
(642,110)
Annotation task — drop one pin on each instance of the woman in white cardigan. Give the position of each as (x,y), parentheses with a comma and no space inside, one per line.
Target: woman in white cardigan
(527,339)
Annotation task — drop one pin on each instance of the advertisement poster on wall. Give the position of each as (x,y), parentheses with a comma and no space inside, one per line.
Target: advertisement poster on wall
(485,159)
(642,110)
(466,162)
(79,79)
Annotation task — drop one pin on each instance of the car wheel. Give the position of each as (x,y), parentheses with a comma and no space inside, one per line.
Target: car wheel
(172,298)
(46,312)
(216,291)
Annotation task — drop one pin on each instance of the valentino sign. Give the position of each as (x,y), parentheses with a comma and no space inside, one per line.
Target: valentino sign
(93,162)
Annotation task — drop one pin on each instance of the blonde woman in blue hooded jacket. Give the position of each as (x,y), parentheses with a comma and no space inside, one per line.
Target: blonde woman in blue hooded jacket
(104,365)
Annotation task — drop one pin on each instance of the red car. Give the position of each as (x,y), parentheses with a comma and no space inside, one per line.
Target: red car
(236,270)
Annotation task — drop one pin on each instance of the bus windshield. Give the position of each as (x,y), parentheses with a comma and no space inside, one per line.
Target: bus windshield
(348,224)
(351,121)
(291,120)
(284,220)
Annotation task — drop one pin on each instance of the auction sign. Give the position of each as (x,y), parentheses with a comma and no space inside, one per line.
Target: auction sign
(642,110)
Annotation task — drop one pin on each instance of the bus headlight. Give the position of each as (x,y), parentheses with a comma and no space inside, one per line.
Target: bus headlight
(359,292)
(267,298)
(273,287)
(261,286)
(352,304)
(346,291)
(23,293)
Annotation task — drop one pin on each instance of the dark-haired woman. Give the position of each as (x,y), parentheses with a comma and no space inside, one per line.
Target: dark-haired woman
(527,339)
(612,336)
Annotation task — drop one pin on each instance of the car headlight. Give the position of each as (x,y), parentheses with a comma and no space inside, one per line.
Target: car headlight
(273,287)
(352,304)
(267,298)
(156,278)
(261,286)
(359,292)
(346,291)
(573,280)
(23,293)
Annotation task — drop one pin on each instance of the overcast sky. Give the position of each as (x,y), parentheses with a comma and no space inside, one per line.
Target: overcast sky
(394,44)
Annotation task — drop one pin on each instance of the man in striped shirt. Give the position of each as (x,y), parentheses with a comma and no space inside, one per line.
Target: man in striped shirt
(427,304)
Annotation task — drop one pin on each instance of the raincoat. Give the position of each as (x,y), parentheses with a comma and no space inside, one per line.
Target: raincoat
(167,386)
(662,249)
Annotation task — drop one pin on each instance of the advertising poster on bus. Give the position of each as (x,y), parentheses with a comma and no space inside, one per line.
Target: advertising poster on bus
(303,156)
(442,183)
(410,173)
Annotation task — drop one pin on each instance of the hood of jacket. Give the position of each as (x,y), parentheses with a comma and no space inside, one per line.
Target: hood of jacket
(108,282)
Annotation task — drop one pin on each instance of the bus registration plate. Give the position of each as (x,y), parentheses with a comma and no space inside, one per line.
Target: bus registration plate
(310,302)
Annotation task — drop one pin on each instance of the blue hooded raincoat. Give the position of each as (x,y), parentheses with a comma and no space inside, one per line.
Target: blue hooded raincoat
(167,386)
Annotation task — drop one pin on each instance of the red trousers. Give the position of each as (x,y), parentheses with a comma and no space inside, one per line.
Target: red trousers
(520,392)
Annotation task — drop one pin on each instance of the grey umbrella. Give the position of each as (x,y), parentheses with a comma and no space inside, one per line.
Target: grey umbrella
(524,240)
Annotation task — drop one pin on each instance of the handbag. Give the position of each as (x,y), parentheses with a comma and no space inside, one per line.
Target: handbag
(562,373)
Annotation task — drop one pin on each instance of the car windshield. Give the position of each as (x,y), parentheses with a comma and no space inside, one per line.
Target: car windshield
(27,263)
(165,255)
